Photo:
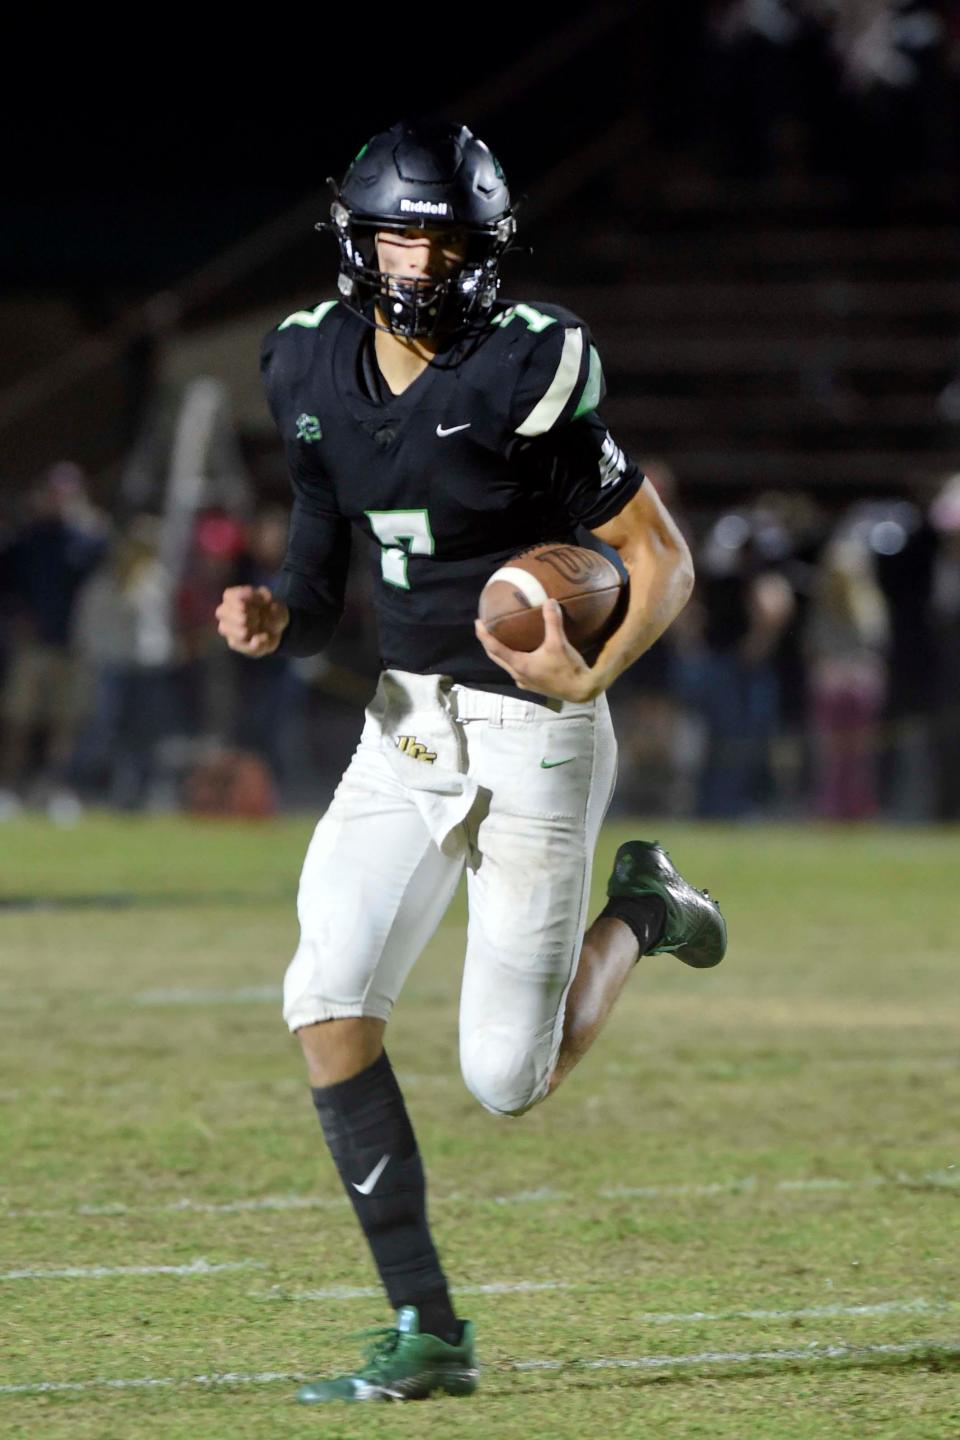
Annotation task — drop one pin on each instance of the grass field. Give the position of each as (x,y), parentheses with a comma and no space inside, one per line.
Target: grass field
(739,1218)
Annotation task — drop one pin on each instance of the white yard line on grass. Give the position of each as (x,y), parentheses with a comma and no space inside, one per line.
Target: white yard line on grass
(747,1184)
(948,1179)
(940,1179)
(186,1206)
(368,1292)
(93,1085)
(46,1387)
(811,1354)
(109,1272)
(239,995)
(129,1090)
(499,1287)
(692,1317)
(812,1312)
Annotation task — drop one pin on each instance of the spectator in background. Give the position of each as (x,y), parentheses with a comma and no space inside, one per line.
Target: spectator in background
(904,546)
(895,92)
(845,638)
(123,629)
(768,78)
(945,627)
(743,607)
(234,720)
(790,529)
(267,693)
(658,745)
(41,573)
(853,90)
(205,674)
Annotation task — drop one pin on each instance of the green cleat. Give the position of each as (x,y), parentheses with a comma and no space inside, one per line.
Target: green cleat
(402,1364)
(695,930)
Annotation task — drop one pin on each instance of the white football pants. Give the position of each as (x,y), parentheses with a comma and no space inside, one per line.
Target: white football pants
(447,777)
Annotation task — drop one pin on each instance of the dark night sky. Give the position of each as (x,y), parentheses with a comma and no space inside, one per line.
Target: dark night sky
(140,167)
(133,157)
(131,172)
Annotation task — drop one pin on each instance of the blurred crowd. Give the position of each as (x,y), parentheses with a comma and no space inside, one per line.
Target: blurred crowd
(115,687)
(865,92)
(816,671)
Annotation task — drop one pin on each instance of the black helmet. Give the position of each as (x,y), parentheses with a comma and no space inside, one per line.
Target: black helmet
(431,175)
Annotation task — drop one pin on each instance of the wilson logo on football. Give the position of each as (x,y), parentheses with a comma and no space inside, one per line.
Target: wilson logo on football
(568,561)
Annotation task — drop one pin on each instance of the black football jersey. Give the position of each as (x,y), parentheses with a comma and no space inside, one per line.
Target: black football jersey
(497,446)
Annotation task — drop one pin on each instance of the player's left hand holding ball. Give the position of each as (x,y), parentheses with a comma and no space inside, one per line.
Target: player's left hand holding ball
(251,620)
(555,668)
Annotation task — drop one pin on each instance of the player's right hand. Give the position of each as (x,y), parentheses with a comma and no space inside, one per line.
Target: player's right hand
(251,620)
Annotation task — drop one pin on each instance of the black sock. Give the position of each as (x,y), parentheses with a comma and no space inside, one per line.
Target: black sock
(645,914)
(366,1126)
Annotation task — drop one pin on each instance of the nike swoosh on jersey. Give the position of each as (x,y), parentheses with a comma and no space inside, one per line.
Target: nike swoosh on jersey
(453,429)
(552,764)
(367,1185)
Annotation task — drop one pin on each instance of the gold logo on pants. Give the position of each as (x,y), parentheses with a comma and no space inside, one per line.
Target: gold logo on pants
(408,745)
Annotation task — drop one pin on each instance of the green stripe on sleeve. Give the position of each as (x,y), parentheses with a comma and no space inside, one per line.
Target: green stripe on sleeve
(590,398)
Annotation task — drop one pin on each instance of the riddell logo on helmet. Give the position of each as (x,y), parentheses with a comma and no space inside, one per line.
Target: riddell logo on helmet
(424,207)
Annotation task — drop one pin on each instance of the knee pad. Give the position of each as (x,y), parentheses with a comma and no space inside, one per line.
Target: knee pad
(501,1070)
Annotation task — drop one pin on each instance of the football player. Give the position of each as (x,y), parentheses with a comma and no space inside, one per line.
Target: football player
(453,429)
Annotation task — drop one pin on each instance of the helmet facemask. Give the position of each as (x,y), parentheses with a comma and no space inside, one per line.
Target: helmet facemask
(429,306)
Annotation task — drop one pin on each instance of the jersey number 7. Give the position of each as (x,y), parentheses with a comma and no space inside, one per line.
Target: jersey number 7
(401,533)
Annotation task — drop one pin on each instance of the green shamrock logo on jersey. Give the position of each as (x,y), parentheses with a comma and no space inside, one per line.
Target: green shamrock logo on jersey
(308,428)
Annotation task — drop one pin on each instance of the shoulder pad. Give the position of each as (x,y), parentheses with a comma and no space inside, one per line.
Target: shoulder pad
(287,351)
(559,374)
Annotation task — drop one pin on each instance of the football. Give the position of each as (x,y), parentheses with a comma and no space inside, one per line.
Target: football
(591,591)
